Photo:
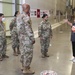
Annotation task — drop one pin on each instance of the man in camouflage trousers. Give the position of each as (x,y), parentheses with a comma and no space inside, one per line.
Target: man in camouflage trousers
(45,33)
(3,41)
(26,38)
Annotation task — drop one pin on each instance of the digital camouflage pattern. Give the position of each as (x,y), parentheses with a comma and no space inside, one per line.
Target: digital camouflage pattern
(26,38)
(45,33)
(3,41)
(14,35)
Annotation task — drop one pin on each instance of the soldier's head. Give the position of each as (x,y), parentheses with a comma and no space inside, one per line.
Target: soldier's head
(16,13)
(1,17)
(45,17)
(26,8)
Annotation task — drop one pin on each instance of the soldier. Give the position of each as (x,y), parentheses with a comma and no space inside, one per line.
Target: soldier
(26,38)
(45,33)
(14,35)
(3,41)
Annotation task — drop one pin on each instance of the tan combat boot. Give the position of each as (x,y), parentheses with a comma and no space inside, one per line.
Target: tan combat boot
(31,71)
(43,56)
(18,51)
(15,53)
(46,55)
(22,68)
(28,71)
(25,70)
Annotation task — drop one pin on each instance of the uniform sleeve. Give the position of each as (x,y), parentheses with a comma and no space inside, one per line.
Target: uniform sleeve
(2,31)
(3,26)
(14,33)
(39,30)
(29,30)
(11,25)
(51,31)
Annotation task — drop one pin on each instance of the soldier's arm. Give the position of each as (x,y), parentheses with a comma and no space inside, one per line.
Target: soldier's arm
(11,25)
(51,31)
(4,29)
(28,28)
(39,30)
(29,32)
(69,23)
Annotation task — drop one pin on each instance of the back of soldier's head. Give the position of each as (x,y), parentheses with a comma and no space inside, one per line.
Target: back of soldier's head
(26,8)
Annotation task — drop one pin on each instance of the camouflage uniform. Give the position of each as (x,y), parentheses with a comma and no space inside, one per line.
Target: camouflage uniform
(14,35)
(26,38)
(45,33)
(3,41)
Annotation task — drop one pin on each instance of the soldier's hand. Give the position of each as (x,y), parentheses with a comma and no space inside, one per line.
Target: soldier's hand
(33,42)
(39,36)
(66,20)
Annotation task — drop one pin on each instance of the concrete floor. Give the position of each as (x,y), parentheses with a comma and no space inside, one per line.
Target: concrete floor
(59,60)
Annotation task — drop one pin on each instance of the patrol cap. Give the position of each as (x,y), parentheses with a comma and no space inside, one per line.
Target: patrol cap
(44,15)
(1,14)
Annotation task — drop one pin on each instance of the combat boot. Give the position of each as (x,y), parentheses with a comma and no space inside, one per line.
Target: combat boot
(25,70)
(43,56)
(46,55)
(5,56)
(28,71)
(18,51)
(31,71)
(22,68)
(15,53)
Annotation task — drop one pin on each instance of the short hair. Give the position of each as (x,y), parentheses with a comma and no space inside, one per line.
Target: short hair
(16,13)
(44,15)
(25,5)
(1,14)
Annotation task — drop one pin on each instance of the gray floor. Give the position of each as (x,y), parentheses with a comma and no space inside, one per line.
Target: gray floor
(59,60)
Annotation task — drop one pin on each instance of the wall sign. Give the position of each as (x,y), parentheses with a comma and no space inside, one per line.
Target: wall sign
(33,13)
(38,13)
